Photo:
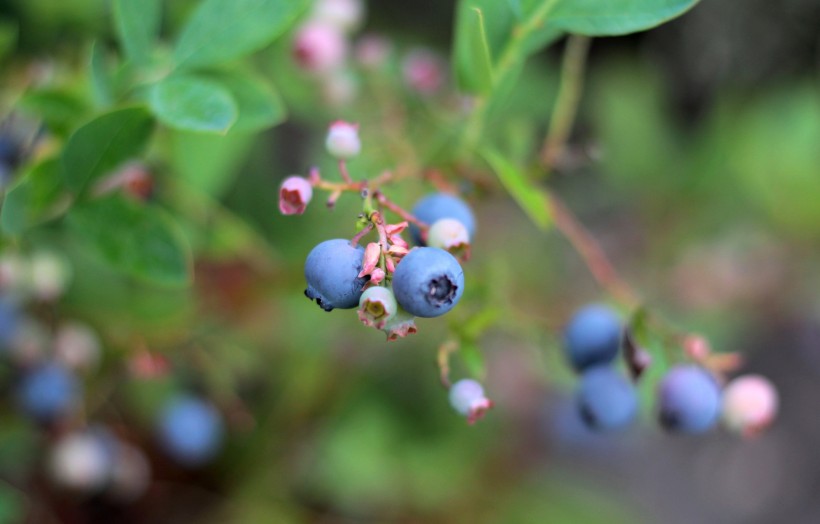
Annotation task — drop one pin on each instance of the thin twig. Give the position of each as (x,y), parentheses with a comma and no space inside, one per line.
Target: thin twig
(382,199)
(566,104)
(590,250)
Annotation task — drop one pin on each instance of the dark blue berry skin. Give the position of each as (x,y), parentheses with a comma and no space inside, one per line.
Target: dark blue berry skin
(592,337)
(9,320)
(428,282)
(190,430)
(689,400)
(47,392)
(332,273)
(441,205)
(606,400)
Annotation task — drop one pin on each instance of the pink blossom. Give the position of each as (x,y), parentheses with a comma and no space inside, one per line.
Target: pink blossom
(294,195)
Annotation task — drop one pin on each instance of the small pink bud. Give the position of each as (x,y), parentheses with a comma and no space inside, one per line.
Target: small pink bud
(377,306)
(400,326)
(451,235)
(467,397)
(319,47)
(750,404)
(390,264)
(343,140)
(423,71)
(372,51)
(294,195)
(397,251)
(697,347)
(372,253)
(377,276)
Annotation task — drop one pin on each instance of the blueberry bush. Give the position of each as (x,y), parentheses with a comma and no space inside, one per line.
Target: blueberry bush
(560,226)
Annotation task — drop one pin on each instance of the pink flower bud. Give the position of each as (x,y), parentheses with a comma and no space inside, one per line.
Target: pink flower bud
(400,326)
(423,71)
(750,404)
(697,347)
(377,306)
(319,47)
(376,277)
(343,140)
(294,195)
(372,253)
(372,51)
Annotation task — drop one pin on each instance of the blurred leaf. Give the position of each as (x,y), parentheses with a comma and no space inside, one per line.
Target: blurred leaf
(60,110)
(138,240)
(494,24)
(258,103)
(12,505)
(8,37)
(193,104)
(208,162)
(28,202)
(101,81)
(614,17)
(223,30)
(137,23)
(473,359)
(531,198)
(472,61)
(103,144)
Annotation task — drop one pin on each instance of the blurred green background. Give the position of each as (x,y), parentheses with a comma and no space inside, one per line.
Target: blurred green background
(696,163)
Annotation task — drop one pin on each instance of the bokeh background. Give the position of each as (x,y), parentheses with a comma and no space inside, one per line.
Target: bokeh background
(696,163)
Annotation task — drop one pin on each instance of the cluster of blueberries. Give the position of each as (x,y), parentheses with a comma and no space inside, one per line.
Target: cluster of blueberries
(427,281)
(45,372)
(691,399)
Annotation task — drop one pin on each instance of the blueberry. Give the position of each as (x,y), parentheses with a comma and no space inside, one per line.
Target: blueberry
(332,273)
(606,400)
(9,321)
(48,392)
(592,336)
(428,282)
(436,206)
(190,430)
(689,400)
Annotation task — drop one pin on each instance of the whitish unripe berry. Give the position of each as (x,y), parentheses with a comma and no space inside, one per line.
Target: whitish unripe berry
(750,404)
(467,397)
(377,306)
(81,462)
(343,140)
(451,235)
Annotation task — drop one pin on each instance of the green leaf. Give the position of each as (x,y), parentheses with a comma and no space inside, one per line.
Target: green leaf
(208,162)
(139,240)
(193,104)
(223,30)
(60,110)
(101,145)
(258,103)
(614,17)
(101,80)
(531,198)
(137,23)
(9,31)
(473,360)
(33,198)
(472,61)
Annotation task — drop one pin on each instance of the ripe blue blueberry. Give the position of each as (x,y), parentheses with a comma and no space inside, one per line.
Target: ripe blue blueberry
(428,282)
(332,273)
(606,400)
(9,320)
(48,392)
(190,430)
(436,206)
(689,400)
(592,336)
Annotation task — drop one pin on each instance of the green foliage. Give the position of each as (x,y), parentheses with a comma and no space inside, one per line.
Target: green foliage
(103,144)
(33,199)
(192,103)
(136,239)
(472,61)
(532,199)
(138,23)
(613,17)
(223,30)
